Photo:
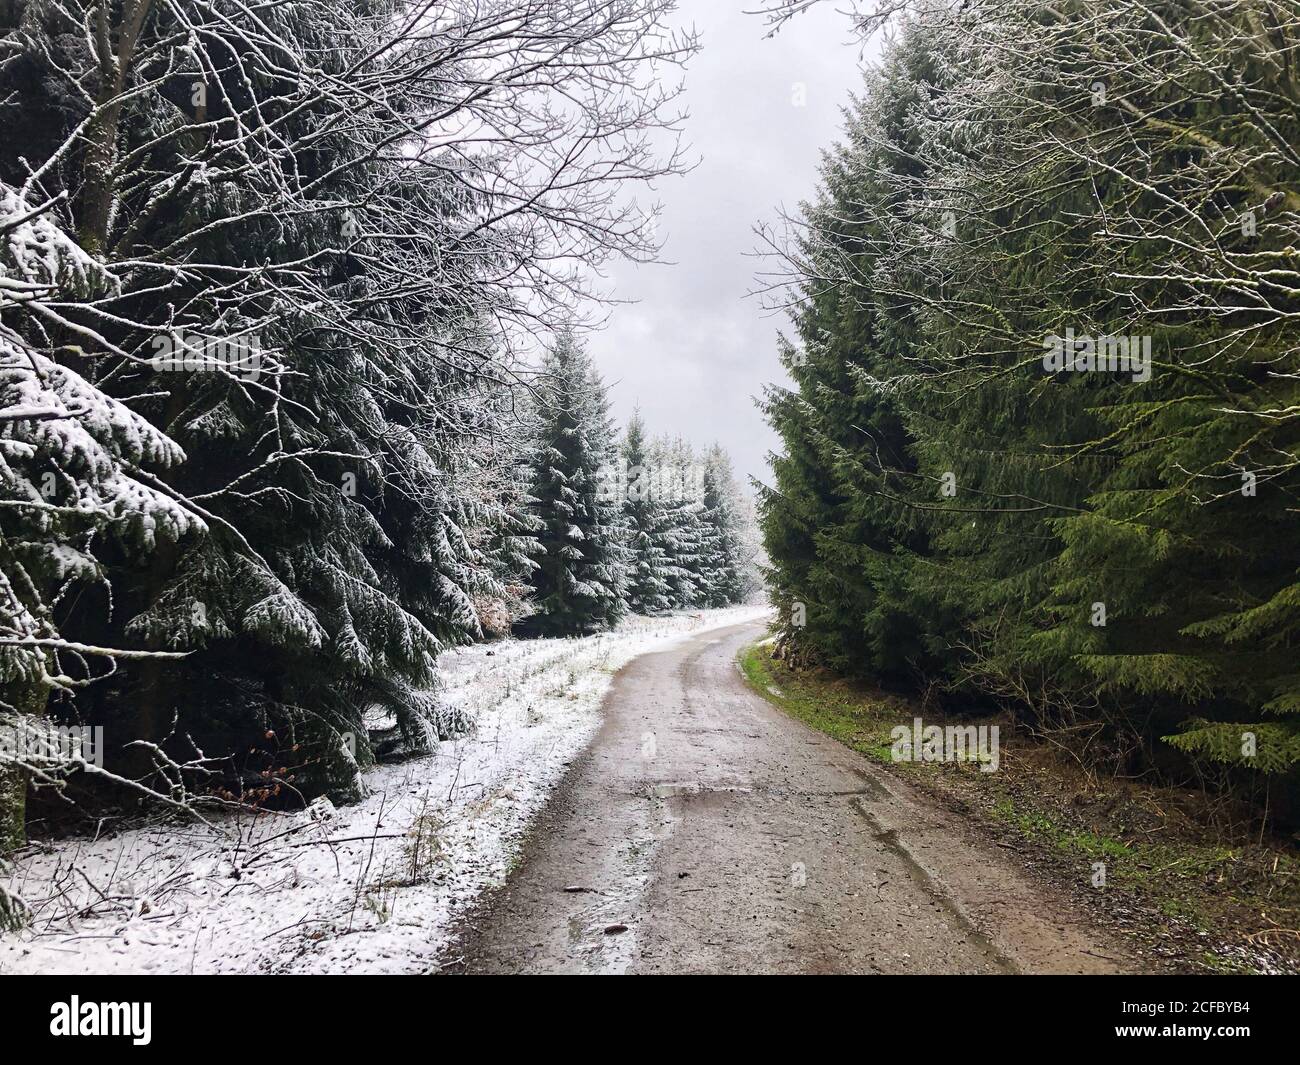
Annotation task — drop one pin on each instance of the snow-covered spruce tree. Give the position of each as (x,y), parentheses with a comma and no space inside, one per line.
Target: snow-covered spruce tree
(679,483)
(333,573)
(338,184)
(646,519)
(503,524)
(753,559)
(580,583)
(73,479)
(722,515)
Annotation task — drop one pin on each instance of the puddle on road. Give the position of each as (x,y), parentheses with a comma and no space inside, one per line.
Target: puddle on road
(688,789)
(671,791)
(625,877)
(628,869)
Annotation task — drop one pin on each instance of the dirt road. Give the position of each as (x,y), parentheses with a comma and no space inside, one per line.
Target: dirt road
(726,837)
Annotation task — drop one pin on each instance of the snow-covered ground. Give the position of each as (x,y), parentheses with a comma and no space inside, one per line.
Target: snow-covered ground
(366,888)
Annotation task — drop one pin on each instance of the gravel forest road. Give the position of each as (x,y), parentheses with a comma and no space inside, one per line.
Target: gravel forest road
(705,831)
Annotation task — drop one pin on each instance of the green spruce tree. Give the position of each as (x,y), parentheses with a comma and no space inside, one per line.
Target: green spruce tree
(579,585)
(648,587)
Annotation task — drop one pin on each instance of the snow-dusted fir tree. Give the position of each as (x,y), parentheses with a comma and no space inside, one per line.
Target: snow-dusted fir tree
(680,485)
(723,562)
(646,519)
(368,210)
(505,525)
(73,476)
(579,584)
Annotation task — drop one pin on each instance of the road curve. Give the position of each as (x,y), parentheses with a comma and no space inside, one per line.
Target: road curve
(705,831)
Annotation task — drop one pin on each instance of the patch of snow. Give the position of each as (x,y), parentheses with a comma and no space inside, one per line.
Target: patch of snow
(370,888)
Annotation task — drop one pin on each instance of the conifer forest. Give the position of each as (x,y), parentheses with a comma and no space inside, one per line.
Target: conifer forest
(651,486)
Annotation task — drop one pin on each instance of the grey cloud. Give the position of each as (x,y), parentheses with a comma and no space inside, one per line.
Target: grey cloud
(692,350)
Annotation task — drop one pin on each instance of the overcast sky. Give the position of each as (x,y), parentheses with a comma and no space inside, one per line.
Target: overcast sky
(692,350)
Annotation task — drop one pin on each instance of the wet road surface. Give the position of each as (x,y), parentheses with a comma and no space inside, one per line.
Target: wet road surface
(705,831)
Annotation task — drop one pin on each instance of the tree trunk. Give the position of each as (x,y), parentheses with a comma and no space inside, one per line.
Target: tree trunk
(13,806)
(13,834)
(13,809)
(29,700)
(99,166)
